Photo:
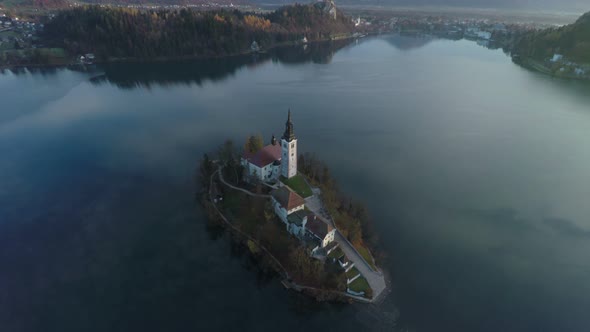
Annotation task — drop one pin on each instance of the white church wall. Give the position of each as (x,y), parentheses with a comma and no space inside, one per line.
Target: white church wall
(265,173)
(298,208)
(279,211)
(289,158)
(329,238)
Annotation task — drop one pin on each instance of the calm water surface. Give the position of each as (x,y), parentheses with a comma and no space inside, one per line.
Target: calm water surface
(475,171)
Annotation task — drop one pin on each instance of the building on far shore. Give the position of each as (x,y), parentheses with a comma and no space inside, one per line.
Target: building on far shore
(556,57)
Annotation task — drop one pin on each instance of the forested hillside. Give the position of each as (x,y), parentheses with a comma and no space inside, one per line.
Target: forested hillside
(34,4)
(572,41)
(130,33)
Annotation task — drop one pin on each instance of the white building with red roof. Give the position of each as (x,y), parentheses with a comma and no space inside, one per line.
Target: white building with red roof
(320,230)
(265,164)
(290,208)
(275,159)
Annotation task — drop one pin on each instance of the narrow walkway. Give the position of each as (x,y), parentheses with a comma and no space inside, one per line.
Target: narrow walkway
(238,188)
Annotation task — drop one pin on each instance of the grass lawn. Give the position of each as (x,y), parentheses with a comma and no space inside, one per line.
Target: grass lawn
(298,184)
(234,204)
(336,253)
(352,273)
(231,201)
(55,52)
(359,285)
(366,255)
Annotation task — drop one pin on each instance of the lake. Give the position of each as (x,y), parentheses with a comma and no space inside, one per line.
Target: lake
(475,172)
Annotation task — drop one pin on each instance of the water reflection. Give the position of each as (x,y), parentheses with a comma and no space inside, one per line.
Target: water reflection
(188,72)
(406,42)
(134,75)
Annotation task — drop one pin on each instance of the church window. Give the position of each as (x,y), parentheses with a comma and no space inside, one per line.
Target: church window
(292,145)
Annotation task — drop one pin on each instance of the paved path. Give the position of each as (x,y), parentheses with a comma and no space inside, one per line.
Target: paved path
(375,278)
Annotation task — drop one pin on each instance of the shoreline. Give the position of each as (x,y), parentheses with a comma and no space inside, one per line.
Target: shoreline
(538,67)
(165,59)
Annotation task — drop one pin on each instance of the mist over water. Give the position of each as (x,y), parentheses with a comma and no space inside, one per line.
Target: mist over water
(474,169)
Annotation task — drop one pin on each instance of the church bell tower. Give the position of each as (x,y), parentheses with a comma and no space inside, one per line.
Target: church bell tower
(289,148)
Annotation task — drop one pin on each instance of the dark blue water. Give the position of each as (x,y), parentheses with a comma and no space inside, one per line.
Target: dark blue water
(475,171)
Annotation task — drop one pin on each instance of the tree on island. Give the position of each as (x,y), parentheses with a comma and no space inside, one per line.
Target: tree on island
(306,270)
(351,217)
(254,143)
(232,170)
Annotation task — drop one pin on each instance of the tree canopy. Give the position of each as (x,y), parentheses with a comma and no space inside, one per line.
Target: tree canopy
(572,41)
(112,32)
(254,143)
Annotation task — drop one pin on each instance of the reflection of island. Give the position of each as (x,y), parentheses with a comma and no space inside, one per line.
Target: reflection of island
(131,75)
(406,42)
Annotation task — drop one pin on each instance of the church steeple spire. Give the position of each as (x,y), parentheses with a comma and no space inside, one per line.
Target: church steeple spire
(289,150)
(289,135)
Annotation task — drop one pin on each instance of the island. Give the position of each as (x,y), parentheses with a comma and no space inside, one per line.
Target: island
(286,210)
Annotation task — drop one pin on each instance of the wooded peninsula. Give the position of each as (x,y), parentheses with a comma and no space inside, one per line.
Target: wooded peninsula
(124,34)
(562,51)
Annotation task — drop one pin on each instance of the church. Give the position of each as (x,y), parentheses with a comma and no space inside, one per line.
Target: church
(274,164)
(274,160)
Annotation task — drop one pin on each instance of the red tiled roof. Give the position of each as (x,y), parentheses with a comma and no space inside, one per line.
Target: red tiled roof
(264,156)
(287,198)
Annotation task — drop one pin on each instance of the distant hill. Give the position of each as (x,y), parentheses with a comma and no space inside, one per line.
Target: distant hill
(122,33)
(160,2)
(572,41)
(548,5)
(41,4)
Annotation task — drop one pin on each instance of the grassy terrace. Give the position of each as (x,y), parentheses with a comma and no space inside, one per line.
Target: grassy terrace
(298,184)
(233,205)
(352,273)
(360,285)
(336,253)
(366,255)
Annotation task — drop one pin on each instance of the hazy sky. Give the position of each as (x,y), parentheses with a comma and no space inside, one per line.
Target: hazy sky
(563,5)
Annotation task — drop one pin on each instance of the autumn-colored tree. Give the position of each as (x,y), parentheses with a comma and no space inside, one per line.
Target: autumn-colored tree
(257,22)
(111,32)
(254,143)
(306,269)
